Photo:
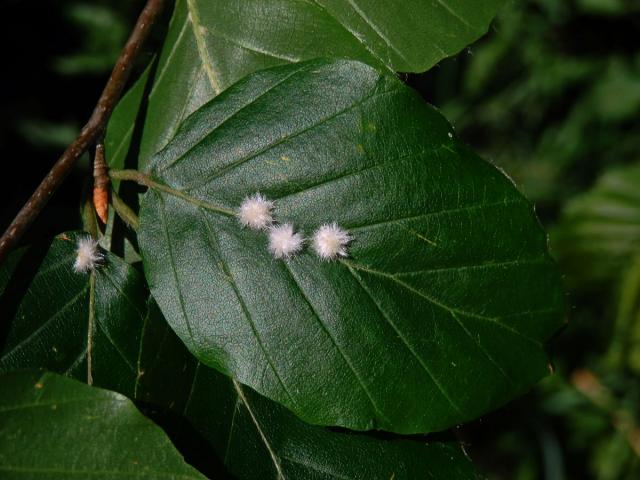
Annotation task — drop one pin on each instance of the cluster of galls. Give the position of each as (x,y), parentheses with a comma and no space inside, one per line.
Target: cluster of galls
(256,212)
(328,242)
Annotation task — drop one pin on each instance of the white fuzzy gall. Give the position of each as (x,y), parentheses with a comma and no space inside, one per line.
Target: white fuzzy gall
(88,256)
(330,241)
(255,212)
(283,242)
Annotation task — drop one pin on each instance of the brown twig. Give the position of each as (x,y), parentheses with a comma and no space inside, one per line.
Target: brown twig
(94,127)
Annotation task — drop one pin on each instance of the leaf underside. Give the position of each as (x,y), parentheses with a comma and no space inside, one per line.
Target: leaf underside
(439,313)
(283,447)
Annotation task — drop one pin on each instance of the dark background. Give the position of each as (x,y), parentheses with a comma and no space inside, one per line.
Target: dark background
(551,95)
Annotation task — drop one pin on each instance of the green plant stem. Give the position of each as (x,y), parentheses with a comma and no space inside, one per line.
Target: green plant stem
(142,179)
(123,210)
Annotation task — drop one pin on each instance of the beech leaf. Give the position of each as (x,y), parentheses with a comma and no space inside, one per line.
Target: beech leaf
(441,309)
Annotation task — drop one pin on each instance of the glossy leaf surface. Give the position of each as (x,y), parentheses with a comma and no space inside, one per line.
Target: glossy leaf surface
(439,313)
(52,427)
(212,44)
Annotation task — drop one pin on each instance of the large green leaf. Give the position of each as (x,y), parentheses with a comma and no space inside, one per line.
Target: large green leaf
(441,310)
(212,44)
(52,427)
(235,422)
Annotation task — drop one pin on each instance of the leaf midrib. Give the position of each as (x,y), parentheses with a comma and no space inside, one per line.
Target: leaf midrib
(245,310)
(272,453)
(343,355)
(203,51)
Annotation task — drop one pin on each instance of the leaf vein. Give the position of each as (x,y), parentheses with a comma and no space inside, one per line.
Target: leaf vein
(478,266)
(36,332)
(463,208)
(376,29)
(274,457)
(76,362)
(344,175)
(167,61)
(183,309)
(405,342)
(344,356)
(438,303)
(203,50)
(191,390)
(232,282)
(66,259)
(236,407)
(121,292)
(456,15)
(224,121)
(316,468)
(251,48)
(266,148)
(483,350)
(24,406)
(116,348)
(139,358)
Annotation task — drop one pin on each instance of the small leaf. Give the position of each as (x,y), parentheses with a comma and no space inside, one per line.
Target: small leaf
(80,324)
(441,309)
(56,428)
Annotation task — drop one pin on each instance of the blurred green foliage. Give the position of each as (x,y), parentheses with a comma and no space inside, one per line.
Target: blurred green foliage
(598,234)
(103,31)
(553,94)
(93,35)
